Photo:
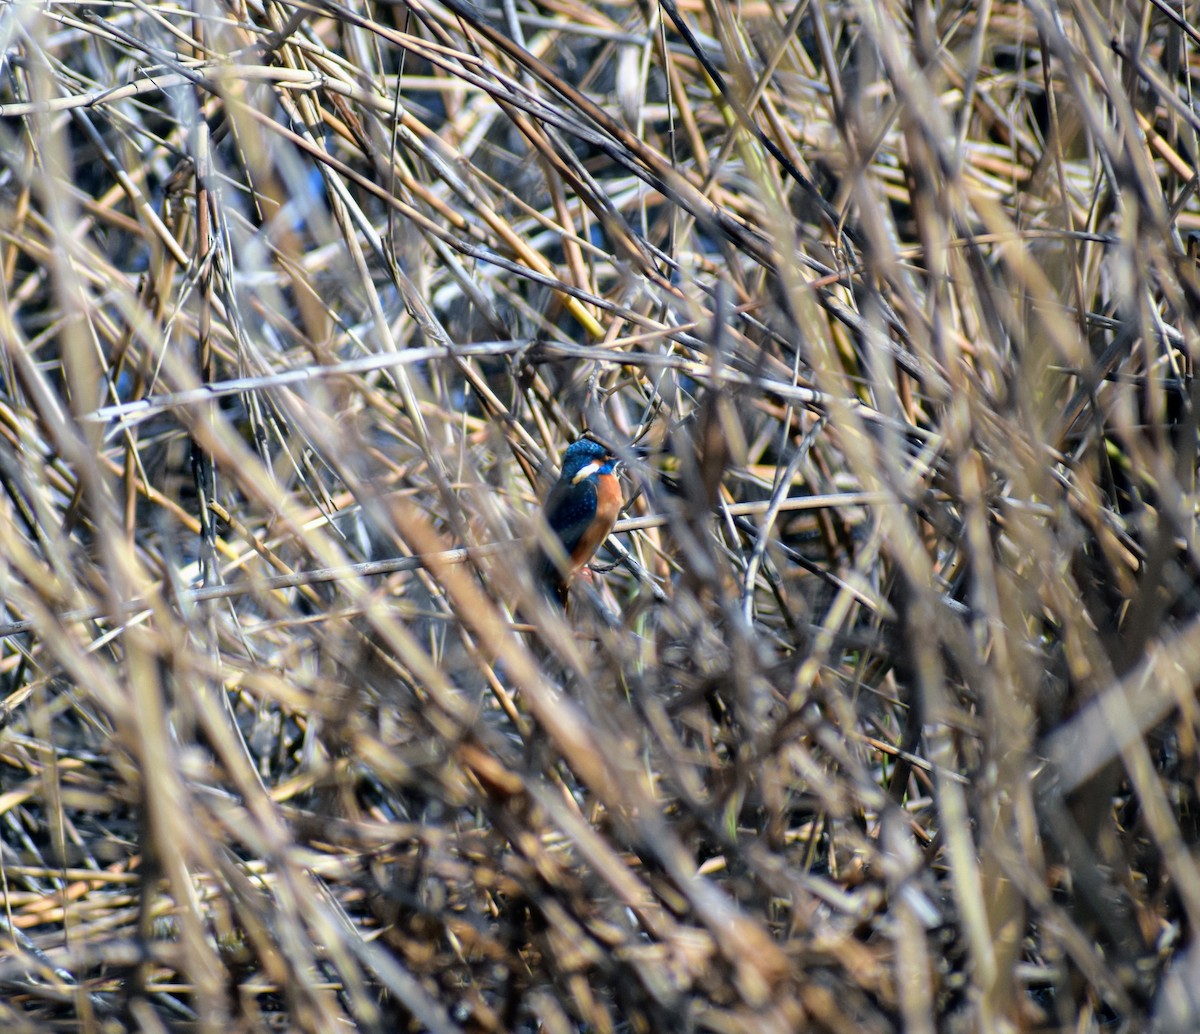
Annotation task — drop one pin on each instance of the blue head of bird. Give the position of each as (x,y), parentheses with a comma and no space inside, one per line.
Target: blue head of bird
(584,459)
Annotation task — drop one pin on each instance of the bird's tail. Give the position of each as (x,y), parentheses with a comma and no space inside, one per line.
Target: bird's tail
(550,578)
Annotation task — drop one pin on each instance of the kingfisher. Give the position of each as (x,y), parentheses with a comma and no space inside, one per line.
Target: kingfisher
(580,511)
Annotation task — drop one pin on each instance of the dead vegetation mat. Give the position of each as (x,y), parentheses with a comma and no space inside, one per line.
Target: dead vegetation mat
(877,712)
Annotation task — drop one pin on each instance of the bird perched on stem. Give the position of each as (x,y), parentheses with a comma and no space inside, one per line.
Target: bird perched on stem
(580,511)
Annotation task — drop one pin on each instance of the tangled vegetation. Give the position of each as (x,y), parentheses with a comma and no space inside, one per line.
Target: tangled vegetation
(877,712)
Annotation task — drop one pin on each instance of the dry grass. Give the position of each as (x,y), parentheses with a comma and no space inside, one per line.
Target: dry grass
(883,716)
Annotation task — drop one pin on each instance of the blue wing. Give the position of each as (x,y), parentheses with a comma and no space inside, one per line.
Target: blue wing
(570,511)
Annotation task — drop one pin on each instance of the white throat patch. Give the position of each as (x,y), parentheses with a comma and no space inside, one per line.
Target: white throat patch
(586,472)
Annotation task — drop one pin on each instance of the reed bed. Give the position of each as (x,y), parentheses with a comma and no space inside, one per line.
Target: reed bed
(877,712)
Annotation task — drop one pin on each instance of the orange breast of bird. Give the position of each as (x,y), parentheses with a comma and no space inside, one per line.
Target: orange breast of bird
(608,506)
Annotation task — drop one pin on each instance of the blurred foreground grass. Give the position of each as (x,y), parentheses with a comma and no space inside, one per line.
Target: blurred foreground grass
(880,713)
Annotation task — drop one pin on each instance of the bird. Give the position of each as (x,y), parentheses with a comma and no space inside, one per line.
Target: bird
(580,512)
